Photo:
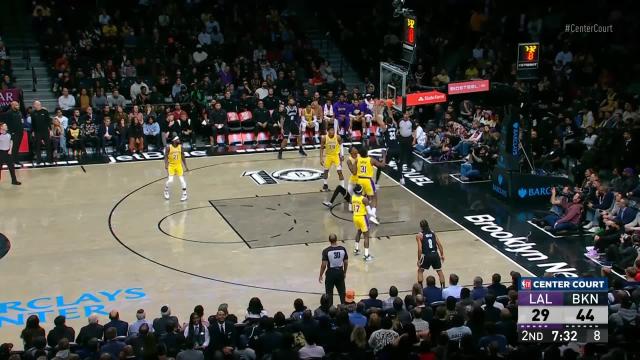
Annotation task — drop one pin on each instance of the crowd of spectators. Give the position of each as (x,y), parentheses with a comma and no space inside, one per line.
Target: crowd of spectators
(456,322)
(7,80)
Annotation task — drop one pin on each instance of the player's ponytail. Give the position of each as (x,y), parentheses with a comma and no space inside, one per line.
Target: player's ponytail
(424,226)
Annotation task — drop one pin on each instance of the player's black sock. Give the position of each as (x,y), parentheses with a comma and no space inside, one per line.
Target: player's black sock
(339,190)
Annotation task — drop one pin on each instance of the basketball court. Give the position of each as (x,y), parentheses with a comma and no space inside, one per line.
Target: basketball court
(89,239)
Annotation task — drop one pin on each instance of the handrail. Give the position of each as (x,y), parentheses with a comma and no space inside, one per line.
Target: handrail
(26,55)
(34,79)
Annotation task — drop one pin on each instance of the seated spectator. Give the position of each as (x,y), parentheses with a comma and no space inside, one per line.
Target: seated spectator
(552,159)
(160,323)
(196,332)
(190,352)
(98,100)
(136,136)
(90,134)
(393,295)
(218,124)
(90,331)
(31,331)
(570,220)
(66,101)
(497,288)
(453,289)
(172,338)
(243,351)
(373,301)
(479,291)
(602,200)
(58,138)
(380,338)
(625,213)
(106,134)
(493,337)
(324,308)
(465,303)
(60,331)
(311,350)
(458,329)
(398,312)
(134,328)
(186,128)
(112,345)
(299,308)
(255,310)
(473,137)
(122,327)
(431,292)
(356,314)
(115,99)
(477,165)
(491,308)
(611,236)
(151,131)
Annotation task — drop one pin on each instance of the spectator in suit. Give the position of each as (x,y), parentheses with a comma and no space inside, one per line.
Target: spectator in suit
(497,288)
(625,214)
(160,323)
(106,134)
(90,331)
(151,130)
(218,123)
(173,339)
(602,200)
(112,345)
(40,124)
(60,331)
(223,337)
(431,292)
(122,327)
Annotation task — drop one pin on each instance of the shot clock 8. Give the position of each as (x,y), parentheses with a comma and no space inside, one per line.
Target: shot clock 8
(563,310)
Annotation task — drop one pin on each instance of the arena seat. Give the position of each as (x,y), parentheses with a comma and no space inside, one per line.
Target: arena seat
(220,139)
(247,122)
(235,139)
(356,135)
(263,138)
(233,122)
(248,138)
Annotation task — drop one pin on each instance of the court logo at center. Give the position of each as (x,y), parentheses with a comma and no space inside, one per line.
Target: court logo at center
(298,174)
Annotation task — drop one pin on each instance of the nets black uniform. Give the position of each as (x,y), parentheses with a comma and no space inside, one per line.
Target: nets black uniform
(335,257)
(392,144)
(292,121)
(430,257)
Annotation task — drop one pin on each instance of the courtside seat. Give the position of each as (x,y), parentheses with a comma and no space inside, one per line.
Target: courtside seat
(263,138)
(235,139)
(246,121)
(356,135)
(248,138)
(233,122)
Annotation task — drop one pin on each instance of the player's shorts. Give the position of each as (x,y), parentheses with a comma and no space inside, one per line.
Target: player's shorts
(361,222)
(368,186)
(175,170)
(291,128)
(330,161)
(431,260)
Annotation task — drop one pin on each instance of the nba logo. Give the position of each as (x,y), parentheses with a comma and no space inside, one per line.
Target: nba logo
(525,284)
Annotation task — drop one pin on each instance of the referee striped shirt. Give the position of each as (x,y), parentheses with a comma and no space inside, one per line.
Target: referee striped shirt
(335,256)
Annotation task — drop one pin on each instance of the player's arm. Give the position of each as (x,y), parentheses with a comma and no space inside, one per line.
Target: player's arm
(341,153)
(418,239)
(377,163)
(352,167)
(184,160)
(440,248)
(323,141)
(323,268)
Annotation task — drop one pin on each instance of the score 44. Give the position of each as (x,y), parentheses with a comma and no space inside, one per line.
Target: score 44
(542,315)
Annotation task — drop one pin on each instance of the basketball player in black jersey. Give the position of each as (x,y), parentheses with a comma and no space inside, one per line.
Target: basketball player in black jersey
(428,247)
(291,126)
(389,131)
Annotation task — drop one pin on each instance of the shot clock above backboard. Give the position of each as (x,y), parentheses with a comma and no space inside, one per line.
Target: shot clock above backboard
(528,61)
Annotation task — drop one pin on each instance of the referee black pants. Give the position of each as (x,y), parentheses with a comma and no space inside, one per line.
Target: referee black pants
(334,277)
(5,158)
(406,151)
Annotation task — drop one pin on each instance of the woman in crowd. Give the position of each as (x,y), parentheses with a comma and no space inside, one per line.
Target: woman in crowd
(196,332)
(57,137)
(121,135)
(31,331)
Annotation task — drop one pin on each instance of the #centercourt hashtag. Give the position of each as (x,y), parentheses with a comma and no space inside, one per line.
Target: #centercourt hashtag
(588,28)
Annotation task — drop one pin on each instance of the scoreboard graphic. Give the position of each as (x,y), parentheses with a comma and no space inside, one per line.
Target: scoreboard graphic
(528,61)
(563,310)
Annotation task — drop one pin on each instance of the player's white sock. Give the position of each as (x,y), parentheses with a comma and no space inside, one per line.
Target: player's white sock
(324,181)
(366,251)
(342,183)
(182,182)
(357,246)
(370,210)
(373,211)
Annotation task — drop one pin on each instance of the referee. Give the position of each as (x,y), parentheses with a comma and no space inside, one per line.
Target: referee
(334,261)
(5,154)
(405,130)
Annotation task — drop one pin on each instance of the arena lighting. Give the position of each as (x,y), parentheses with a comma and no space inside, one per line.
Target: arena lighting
(398,9)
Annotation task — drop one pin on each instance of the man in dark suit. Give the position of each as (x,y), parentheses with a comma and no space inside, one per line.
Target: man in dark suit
(223,337)
(106,133)
(90,331)
(40,124)
(112,345)
(122,327)
(160,324)
(625,213)
(173,339)
(60,331)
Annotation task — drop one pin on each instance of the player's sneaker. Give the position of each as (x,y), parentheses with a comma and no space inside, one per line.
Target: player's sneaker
(402,180)
(166,194)
(280,155)
(183,197)
(367,258)
(302,152)
(374,220)
(350,207)
(327,204)
(325,187)
(356,252)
